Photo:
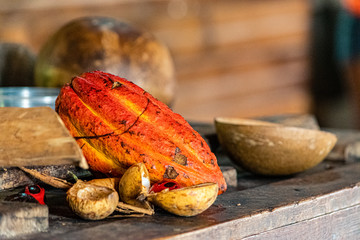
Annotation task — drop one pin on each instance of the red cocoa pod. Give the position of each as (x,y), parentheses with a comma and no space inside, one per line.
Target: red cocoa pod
(117,124)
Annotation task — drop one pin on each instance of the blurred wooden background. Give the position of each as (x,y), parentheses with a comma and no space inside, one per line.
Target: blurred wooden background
(239,58)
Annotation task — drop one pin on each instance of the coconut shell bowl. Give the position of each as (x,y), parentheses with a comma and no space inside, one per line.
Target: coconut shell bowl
(272,149)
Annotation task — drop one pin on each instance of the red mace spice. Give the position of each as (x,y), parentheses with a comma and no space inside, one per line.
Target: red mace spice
(158,187)
(36,192)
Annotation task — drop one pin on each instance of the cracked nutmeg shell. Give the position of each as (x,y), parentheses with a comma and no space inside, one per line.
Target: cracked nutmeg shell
(118,124)
(134,186)
(188,201)
(90,201)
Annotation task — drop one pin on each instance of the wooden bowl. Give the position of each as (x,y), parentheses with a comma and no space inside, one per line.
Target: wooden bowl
(272,149)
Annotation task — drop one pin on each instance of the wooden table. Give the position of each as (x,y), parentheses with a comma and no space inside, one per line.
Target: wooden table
(323,203)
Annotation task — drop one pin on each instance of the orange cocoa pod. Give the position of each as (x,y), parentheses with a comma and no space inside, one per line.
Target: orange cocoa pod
(117,124)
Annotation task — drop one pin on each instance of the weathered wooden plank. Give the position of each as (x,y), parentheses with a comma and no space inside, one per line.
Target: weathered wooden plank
(342,224)
(321,200)
(240,57)
(222,23)
(36,137)
(235,214)
(200,23)
(14,177)
(20,218)
(290,100)
(262,81)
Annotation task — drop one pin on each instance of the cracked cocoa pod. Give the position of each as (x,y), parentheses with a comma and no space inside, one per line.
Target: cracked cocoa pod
(117,127)
(111,45)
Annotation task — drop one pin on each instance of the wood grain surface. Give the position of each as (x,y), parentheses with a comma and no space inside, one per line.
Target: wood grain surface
(36,137)
(21,218)
(328,198)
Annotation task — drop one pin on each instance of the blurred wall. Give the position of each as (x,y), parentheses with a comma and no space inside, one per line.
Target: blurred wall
(335,95)
(236,58)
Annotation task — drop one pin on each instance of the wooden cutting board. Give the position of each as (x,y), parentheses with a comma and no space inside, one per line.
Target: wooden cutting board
(36,137)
